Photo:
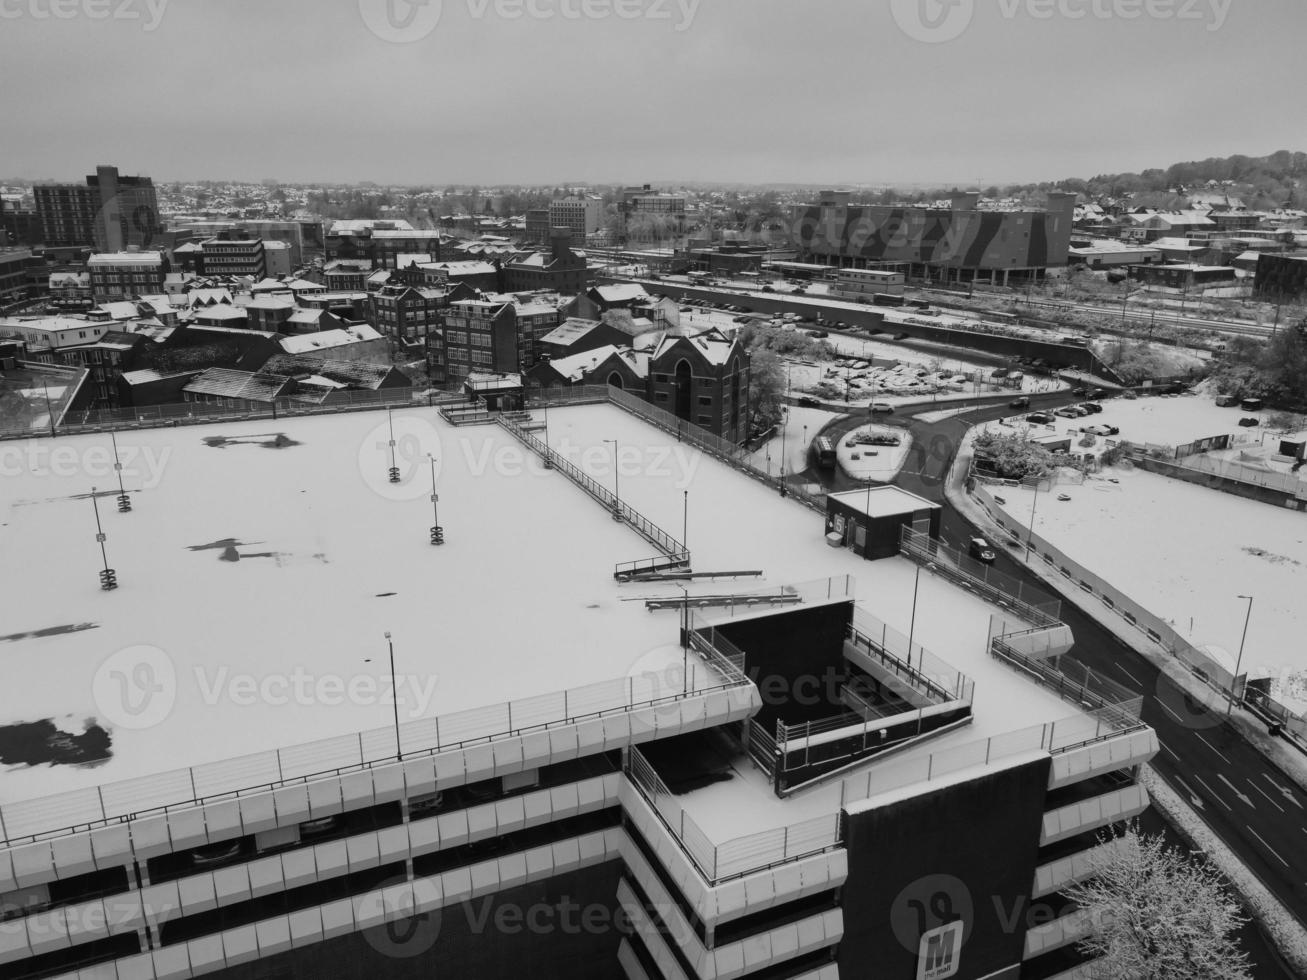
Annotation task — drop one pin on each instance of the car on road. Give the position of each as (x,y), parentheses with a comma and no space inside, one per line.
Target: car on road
(882,407)
(979,549)
(1022,402)
(807,401)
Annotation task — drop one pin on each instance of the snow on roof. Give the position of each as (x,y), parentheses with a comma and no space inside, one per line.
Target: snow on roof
(621,292)
(465,267)
(575,367)
(121,310)
(327,528)
(324,339)
(569,331)
(222,312)
(229,383)
(146,375)
(883,501)
(352,374)
(125,258)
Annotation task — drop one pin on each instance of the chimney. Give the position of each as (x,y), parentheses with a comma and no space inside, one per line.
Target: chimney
(560,241)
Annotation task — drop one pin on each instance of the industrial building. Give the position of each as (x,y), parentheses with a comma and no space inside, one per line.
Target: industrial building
(963,243)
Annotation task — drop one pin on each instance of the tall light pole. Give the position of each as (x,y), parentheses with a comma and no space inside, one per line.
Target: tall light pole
(437,532)
(912,626)
(685,638)
(124,502)
(1239,662)
(617,486)
(685,519)
(394,700)
(1030,532)
(108,579)
(394,470)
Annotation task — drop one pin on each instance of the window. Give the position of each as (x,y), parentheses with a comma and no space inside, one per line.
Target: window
(705,420)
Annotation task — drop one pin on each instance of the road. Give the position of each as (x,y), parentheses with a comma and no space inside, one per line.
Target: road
(1254,807)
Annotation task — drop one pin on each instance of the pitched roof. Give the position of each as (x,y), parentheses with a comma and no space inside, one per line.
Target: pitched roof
(569,331)
(327,339)
(229,383)
(352,374)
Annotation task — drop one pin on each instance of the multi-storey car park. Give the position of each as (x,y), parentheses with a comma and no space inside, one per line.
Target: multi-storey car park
(812,767)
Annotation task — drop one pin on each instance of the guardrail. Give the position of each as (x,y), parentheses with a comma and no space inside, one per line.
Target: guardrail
(1079,685)
(1053,737)
(642,526)
(741,855)
(125,800)
(1003,590)
(1202,666)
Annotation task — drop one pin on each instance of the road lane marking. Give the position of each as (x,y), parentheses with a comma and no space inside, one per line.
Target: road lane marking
(1213,792)
(1284,791)
(1268,846)
(1213,748)
(1167,709)
(1165,748)
(1267,795)
(1193,797)
(1243,797)
(1128,674)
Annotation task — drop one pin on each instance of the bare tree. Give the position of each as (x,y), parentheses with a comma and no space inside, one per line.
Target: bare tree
(1158,915)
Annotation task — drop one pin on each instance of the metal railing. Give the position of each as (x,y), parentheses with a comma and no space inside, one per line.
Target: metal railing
(125,800)
(909,660)
(1054,737)
(642,526)
(1003,590)
(741,855)
(1200,664)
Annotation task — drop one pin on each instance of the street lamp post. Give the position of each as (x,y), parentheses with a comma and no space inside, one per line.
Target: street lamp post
(394,470)
(1239,662)
(437,532)
(108,578)
(785,418)
(685,519)
(617,486)
(394,700)
(1030,532)
(124,501)
(912,625)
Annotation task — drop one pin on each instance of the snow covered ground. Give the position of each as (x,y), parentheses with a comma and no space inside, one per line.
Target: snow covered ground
(264,562)
(1186,553)
(1166,420)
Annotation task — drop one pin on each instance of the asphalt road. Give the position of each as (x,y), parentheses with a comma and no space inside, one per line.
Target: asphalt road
(1252,805)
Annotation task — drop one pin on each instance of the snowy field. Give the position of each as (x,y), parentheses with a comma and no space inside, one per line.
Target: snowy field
(264,561)
(1186,553)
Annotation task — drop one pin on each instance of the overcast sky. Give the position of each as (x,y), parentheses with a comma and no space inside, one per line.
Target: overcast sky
(754,91)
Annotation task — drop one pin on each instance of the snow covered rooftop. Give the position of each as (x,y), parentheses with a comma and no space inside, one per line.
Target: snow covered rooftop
(264,561)
(883,501)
